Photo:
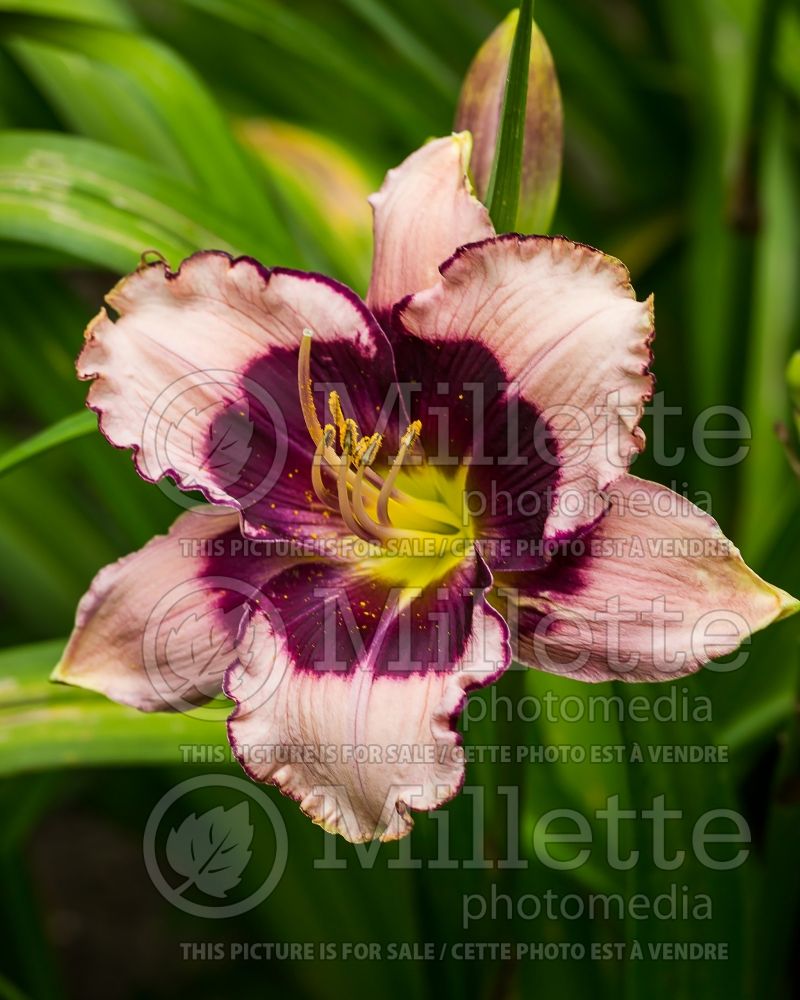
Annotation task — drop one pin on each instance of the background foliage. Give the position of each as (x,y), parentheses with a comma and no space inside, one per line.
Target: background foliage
(259,126)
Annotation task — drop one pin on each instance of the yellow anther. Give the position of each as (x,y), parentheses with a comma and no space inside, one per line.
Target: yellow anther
(349,437)
(361,495)
(406,443)
(335,405)
(371,446)
(361,447)
(413,431)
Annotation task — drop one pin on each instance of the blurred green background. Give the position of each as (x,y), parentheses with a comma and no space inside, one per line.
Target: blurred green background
(259,126)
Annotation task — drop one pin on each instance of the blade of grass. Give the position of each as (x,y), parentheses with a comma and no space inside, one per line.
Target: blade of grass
(91,476)
(689,790)
(66,163)
(93,232)
(71,427)
(411,47)
(304,38)
(767,496)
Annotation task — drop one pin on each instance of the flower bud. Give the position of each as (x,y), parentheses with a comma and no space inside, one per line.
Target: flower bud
(479,109)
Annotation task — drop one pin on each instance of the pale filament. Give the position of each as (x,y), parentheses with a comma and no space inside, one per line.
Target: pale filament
(356,482)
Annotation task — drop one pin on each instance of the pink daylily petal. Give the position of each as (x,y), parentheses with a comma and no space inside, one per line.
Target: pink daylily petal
(423,212)
(563,322)
(158,628)
(658,592)
(357,750)
(347,681)
(198,376)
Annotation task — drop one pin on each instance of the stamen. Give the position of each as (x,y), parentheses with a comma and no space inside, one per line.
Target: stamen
(356,482)
(382,532)
(406,443)
(305,388)
(344,501)
(325,496)
(372,445)
(368,448)
(411,435)
(349,437)
(360,449)
(335,405)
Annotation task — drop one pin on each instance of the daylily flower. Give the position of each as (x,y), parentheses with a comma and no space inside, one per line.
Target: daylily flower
(455,445)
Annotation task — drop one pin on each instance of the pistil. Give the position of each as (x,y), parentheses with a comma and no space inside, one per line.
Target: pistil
(305,388)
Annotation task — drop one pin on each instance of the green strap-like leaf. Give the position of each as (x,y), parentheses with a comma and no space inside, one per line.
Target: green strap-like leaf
(382,19)
(103,12)
(8,991)
(104,206)
(502,195)
(45,725)
(301,36)
(156,94)
(793,381)
(68,429)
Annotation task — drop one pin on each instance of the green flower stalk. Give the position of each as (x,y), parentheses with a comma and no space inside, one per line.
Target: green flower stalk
(479,111)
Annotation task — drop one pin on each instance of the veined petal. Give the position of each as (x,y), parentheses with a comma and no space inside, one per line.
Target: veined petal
(198,376)
(658,592)
(360,729)
(423,212)
(158,628)
(563,323)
